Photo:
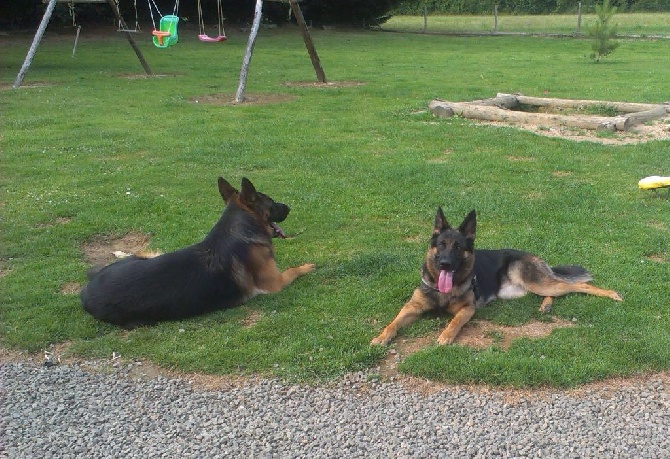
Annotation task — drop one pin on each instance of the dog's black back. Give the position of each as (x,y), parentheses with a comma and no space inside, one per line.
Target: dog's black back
(198,279)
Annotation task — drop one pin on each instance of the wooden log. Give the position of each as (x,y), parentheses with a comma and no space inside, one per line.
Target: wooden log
(501,100)
(621,107)
(440,108)
(487,113)
(642,117)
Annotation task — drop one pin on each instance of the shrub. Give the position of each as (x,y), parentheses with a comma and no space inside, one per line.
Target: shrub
(603,32)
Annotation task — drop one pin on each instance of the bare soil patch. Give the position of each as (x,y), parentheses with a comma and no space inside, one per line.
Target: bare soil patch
(654,130)
(318,84)
(477,334)
(100,251)
(35,84)
(262,99)
(104,250)
(249,99)
(144,76)
(253,316)
(70,288)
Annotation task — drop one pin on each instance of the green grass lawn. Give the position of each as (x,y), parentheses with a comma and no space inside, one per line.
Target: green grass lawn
(89,151)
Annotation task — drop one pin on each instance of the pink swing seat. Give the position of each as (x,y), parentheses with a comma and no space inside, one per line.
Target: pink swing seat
(207,39)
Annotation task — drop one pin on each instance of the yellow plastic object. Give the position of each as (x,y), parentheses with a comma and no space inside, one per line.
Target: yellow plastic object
(653,182)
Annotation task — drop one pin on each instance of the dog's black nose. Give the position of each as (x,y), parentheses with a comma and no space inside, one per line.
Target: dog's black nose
(445,263)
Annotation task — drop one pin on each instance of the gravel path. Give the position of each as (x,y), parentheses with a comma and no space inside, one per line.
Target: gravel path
(68,411)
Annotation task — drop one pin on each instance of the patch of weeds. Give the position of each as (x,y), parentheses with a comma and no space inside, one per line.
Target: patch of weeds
(494,335)
(599,110)
(604,134)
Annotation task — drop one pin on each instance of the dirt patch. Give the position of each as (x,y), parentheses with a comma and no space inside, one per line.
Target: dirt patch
(35,84)
(477,334)
(262,99)
(252,318)
(71,288)
(655,130)
(249,99)
(318,84)
(56,221)
(657,257)
(144,76)
(481,334)
(100,251)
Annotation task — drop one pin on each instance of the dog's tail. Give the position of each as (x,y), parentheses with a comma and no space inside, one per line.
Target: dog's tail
(572,273)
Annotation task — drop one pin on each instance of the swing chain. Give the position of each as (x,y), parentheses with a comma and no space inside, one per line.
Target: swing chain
(73,14)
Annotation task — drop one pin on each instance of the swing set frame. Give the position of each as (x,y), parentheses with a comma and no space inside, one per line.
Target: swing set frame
(51,4)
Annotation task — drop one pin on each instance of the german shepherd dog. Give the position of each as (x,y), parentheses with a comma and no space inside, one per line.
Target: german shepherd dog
(458,278)
(233,263)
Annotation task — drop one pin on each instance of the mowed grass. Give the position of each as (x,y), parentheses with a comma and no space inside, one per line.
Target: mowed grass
(91,150)
(637,24)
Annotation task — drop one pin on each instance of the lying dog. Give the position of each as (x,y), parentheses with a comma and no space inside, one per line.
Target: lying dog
(458,278)
(233,263)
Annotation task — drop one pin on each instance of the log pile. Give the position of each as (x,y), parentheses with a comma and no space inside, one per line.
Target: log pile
(509,108)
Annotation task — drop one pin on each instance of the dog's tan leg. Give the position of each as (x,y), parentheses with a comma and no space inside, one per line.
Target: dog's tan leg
(547,301)
(583,287)
(411,311)
(560,288)
(267,277)
(271,280)
(461,317)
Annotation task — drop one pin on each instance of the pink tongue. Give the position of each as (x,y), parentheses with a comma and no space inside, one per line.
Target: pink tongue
(444,283)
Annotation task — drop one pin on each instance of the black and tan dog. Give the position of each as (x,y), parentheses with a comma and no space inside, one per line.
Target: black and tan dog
(458,278)
(233,263)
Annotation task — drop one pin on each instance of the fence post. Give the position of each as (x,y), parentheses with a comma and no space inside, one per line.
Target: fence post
(579,18)
(495,18)
(425,17)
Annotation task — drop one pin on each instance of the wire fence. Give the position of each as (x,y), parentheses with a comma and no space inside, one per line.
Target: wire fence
(636,25)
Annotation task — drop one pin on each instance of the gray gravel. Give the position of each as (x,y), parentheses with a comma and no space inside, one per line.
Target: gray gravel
(67,411)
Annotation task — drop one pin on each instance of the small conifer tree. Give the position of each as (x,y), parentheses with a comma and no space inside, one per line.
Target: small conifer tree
(603,32)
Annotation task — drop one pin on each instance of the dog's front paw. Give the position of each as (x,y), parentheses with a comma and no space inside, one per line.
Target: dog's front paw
(381,340)
(445,338)
(616,297)
(307,268)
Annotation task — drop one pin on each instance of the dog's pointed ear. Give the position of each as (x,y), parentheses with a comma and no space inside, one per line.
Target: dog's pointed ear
(469,227)
(249,193)
(441,222)
(226,190)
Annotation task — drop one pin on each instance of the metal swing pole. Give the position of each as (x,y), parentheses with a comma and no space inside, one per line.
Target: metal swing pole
(36,41)
(239,96)
(307,38)
(129,36)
